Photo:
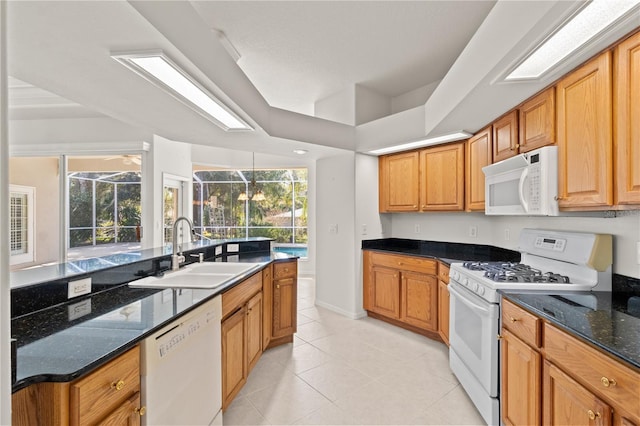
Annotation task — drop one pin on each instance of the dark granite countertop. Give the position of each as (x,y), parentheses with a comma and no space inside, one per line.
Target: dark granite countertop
(608,320)
(64,341)
(443,251)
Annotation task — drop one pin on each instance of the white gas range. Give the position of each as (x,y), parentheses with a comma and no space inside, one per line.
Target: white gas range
(550,261)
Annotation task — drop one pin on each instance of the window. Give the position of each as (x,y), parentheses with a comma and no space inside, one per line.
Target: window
(22,228)
(220,212)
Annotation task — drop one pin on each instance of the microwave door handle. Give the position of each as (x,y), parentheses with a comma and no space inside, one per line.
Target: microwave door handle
(523,178)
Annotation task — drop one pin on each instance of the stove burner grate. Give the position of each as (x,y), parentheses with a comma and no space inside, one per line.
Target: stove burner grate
(515,272)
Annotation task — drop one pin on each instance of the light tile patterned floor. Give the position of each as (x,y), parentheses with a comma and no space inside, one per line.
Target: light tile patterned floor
(341,371)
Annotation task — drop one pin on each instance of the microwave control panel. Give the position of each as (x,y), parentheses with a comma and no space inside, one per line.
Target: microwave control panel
(534,187)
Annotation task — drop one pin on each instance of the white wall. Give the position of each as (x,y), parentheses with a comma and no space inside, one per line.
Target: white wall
(5,309)
(336,288)
(413,98)
(370,105)
(168,157)
(491,230)
(338,107)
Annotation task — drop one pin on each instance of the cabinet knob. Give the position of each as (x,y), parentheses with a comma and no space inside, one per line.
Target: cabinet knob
(606,382)
(513,319)
(141,411)
(499,337)
(117,385)
(593,415)
(277,285)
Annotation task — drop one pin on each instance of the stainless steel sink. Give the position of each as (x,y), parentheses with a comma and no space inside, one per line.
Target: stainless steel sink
(201,275)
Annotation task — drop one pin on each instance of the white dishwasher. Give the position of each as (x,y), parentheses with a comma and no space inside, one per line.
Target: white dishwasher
(181,370)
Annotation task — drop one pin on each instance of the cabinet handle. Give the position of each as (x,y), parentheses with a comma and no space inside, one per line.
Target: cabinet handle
(593,415)
(558,198)
(499,337)
(141,411)
(608,382)
(117,385)
(512,319)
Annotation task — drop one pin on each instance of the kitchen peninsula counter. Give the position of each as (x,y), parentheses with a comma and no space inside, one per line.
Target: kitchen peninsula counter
(607,320)
(63,342)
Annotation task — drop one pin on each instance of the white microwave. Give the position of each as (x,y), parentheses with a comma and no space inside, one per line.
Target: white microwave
(526,184)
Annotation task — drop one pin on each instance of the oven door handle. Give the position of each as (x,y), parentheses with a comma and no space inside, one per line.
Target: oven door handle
(467,300)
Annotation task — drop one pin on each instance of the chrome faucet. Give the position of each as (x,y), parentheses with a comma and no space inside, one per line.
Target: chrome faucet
(176,257)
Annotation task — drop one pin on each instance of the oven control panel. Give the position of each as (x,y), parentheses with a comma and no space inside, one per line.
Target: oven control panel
(546,243)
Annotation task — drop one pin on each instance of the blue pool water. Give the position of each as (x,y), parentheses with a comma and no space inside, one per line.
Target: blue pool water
(295,251)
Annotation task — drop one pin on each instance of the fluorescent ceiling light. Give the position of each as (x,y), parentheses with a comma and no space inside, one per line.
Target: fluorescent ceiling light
(422,143)
(592,20)
(158,69)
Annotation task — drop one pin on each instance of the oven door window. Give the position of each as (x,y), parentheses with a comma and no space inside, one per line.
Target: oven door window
(473,335)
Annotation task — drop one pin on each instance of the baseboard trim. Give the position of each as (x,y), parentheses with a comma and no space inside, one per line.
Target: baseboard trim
(348,314)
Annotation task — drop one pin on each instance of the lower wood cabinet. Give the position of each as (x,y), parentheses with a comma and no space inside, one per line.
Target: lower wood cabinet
(550,377)
(402,290)
(257,314)
(443,302)
(110,395)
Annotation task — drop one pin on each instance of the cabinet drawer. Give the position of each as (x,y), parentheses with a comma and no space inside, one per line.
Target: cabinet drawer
(443,273)
(405,263)
(285,270)
(238,295)
(521,323)
(616,383)
(101,392)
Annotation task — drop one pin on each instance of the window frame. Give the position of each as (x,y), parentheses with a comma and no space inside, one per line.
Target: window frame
(28,256)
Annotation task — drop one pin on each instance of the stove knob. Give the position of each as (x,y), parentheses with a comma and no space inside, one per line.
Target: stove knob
(466,282)
(475,286)
(455,275)
(481,290)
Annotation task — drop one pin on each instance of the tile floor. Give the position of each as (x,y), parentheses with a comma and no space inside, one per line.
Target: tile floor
(341,371)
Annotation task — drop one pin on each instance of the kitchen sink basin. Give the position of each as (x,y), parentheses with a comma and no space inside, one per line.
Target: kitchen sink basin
(201,275)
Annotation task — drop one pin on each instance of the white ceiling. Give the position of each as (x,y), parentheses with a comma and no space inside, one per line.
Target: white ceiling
(292,54)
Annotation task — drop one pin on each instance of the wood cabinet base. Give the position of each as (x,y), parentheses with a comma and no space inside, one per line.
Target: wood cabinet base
(280,341)
(430,334)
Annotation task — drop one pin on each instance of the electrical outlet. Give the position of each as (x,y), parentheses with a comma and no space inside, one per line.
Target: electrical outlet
(233,248)
(473,231)
(333,228)
(218,250)
(416,228)
(78,310)
(364,229)
(507,234)
(79,287)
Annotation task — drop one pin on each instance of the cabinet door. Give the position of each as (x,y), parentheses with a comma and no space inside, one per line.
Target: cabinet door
(419,300)
(585,177)
(127,414)
(399,182)
(505,136)
(566,402)
(537,123)
(234,360)
(521,382)
(627,125)
(443,311)
(442,178)
(267,306)
(254,331)
(385,292)
(284,307)
(479,149)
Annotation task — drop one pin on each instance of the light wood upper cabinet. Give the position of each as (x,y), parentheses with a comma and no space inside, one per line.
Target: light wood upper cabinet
(626,115)
(505,136)
(584,100)
(442,178)
(479,154)
(537,123)
(399,182)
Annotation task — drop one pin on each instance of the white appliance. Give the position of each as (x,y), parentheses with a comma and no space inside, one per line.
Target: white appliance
(181,370)
(526,184)
(550,261)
